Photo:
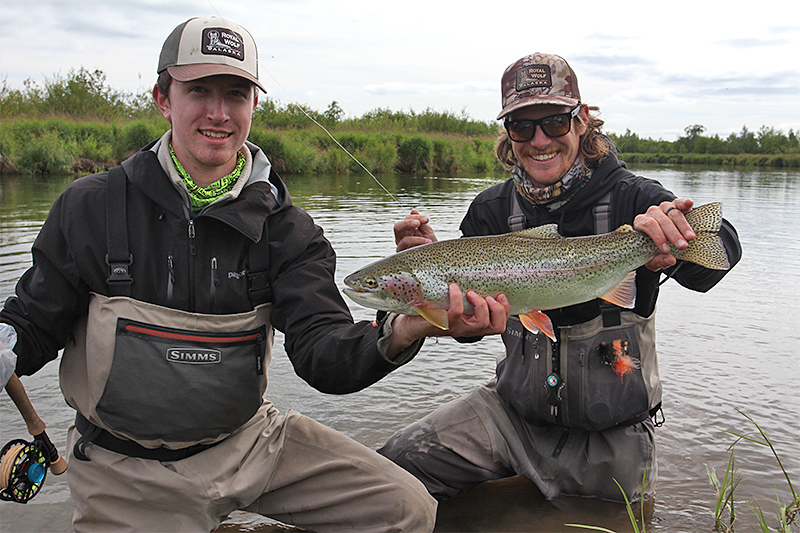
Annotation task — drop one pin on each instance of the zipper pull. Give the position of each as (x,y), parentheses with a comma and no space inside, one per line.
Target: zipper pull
(214,278)
(191,237)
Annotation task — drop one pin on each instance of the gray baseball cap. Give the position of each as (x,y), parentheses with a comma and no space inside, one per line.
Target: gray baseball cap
(203,47)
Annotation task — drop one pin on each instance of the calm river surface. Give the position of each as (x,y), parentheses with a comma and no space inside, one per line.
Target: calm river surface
(732,349)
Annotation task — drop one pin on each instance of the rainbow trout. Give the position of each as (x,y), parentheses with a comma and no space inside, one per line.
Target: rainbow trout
(537,269)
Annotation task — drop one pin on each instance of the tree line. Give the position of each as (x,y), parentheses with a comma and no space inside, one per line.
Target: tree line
(78,121)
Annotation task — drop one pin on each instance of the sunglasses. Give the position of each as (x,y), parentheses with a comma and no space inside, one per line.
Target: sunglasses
(553,126)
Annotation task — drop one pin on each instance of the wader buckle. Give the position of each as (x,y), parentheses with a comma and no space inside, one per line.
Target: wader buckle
(119,273)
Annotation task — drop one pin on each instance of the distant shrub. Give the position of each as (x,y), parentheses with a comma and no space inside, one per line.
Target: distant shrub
(136,135)
(46,155)
(415,154)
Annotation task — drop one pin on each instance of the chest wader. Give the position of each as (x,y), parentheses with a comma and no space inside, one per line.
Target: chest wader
(159,383)
(571,382)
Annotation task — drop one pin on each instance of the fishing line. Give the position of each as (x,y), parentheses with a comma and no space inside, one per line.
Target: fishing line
(323,128)
(335,140)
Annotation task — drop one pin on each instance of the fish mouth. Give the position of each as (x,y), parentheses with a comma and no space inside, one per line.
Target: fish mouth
(360,295)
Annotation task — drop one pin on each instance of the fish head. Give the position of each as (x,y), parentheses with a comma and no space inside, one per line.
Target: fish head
(385,286)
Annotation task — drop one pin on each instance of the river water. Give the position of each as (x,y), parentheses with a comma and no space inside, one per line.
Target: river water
(723,354)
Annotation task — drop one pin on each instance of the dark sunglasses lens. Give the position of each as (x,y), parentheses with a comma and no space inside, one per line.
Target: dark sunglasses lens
(520,130)
(553,126)
(557,125)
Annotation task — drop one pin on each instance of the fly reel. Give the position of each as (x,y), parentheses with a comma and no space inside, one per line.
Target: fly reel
(23,469)
(23,464)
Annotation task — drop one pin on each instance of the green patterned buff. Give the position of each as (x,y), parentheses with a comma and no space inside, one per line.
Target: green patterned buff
(202,196)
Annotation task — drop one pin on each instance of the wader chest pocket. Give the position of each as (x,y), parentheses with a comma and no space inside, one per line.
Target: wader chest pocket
(182,385)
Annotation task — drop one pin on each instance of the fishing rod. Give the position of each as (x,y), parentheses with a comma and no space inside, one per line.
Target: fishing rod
(23,464)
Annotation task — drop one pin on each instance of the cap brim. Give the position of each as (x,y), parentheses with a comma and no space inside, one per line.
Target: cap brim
(203,70)
(541,99)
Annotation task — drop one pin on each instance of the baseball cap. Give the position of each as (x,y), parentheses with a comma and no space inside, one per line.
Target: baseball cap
(538,79)
(211,46)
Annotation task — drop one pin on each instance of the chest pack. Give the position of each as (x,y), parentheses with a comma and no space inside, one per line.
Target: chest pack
(160,383)
(579,380)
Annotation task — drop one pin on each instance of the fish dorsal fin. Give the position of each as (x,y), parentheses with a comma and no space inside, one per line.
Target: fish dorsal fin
(625,228)
(624,293)
(548,231)
(437,317)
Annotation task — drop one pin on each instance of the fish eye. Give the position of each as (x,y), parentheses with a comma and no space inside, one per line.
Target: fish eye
(371,283)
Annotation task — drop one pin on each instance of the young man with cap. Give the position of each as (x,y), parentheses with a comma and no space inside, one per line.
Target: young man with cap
(163,281)
(558,412)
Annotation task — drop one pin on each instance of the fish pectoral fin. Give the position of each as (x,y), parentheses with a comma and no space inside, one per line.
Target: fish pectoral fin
(437,317)
(624,293)
(536,321)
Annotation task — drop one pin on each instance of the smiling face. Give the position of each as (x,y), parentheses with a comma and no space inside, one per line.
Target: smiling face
(210,120)
(547,159)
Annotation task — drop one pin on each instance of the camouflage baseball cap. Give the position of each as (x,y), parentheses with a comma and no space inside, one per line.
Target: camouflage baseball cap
(538,79)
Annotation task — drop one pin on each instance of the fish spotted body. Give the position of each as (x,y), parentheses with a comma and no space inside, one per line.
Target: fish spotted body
(537,269)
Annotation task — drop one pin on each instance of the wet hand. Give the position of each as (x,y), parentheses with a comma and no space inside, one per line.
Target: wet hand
(413,231)
(666,224)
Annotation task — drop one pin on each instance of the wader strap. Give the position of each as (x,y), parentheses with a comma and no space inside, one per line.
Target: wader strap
(91,433)
(602,215)
(602,224)
(118,258)
(260,290)
(517,219)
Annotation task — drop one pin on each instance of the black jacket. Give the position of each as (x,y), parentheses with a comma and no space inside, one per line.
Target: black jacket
(205,259)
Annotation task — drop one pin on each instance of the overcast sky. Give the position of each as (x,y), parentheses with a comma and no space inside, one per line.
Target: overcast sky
(652,67)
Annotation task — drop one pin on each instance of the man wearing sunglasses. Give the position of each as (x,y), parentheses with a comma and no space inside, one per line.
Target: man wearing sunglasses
(559,412)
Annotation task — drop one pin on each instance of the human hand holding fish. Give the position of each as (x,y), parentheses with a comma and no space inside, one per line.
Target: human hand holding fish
(487,316)
(666,224)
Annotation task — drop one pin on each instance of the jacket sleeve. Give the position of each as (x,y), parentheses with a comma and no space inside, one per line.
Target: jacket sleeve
(326,348)
(48,299)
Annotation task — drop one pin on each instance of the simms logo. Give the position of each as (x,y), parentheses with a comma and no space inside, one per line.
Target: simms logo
(193,356)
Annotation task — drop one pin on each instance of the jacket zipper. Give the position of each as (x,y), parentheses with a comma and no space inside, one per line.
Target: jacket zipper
(208,338)
(212,291)
(171,278)
(192,254)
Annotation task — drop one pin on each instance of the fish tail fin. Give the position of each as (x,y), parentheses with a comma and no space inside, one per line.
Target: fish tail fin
(706,249)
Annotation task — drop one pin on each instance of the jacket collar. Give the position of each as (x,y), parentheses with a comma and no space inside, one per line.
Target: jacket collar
(263,194)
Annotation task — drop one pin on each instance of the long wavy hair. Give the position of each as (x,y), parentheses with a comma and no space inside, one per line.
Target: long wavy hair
(593,144)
